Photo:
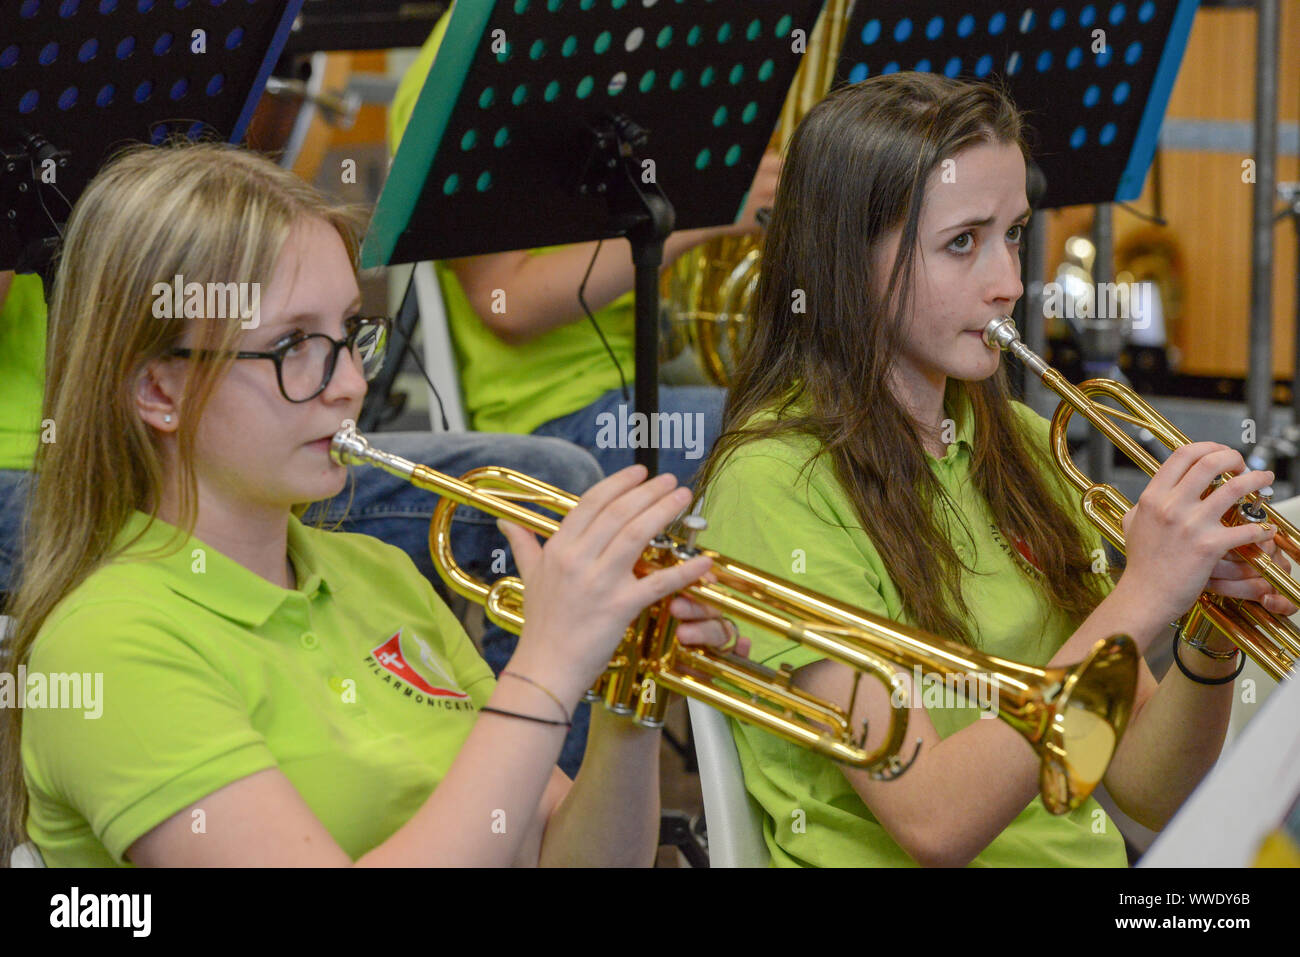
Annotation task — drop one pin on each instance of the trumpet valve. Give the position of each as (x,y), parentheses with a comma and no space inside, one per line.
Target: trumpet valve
(694,525)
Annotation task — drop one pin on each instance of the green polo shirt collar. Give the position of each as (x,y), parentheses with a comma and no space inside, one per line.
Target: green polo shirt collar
(957,406)
(202,574)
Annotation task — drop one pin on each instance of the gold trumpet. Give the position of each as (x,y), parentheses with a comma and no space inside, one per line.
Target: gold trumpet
(1073,717)
(1271,641)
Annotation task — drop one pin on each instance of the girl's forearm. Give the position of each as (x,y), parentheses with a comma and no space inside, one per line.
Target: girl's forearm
(537,294)
(610,817)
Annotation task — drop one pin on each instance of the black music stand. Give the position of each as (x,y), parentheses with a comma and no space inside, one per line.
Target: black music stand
(81,79)
(545,122)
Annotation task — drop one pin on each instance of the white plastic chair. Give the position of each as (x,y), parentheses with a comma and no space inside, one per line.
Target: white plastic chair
(734,824)
(439,355)
(26,855)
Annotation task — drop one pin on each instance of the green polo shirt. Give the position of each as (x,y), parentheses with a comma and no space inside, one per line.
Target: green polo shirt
(516,388)
(359,685)
(803,528)
(22,371)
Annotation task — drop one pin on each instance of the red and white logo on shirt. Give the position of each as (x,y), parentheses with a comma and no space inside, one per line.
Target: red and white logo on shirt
(422,669)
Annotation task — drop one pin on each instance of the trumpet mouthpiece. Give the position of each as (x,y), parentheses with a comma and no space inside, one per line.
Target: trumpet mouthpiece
(349,447)
(1001,333)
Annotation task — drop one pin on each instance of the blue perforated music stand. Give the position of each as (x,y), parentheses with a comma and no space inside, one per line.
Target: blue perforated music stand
(1094,78)
(82,78)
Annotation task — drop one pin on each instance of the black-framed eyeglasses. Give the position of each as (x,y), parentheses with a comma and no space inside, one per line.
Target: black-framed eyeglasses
(304,364)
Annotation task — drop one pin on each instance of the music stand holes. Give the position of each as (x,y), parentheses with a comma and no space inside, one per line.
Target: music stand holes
(88,50)
(702,159)
(469,140)
(125,47)
(68,98)
(664,38)
(144,91)
(965,26)
(934,29)
(585,86)
(902,30)
(105,96)
(28,101)
(451,184)
(1088,16)
(603,40)
(163,44)
(766,70)
(617,83)
(997,23)
(179,89)
(720,116)
(216,84)
(49,53)
(484,181)
(870,32)
(632,42)
(733,155)
(647,81)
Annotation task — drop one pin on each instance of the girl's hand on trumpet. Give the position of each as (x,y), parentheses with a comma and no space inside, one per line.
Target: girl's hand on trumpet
(1177,543)
(581,591)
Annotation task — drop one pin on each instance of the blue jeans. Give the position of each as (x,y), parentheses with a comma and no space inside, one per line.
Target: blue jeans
(605,430)
(397,512)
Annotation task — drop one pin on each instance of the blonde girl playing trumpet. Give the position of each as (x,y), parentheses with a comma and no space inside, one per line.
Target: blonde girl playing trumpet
(275,694)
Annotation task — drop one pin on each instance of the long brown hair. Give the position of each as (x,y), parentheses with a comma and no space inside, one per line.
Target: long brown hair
(855,170)
(210,213)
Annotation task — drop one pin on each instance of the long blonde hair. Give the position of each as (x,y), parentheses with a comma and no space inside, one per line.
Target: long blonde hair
(210,213)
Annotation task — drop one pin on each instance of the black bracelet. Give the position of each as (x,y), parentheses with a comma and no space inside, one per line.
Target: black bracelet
(1207,681)
(526,717)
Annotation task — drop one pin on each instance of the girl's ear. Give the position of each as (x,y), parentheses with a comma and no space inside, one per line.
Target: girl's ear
(157,391)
